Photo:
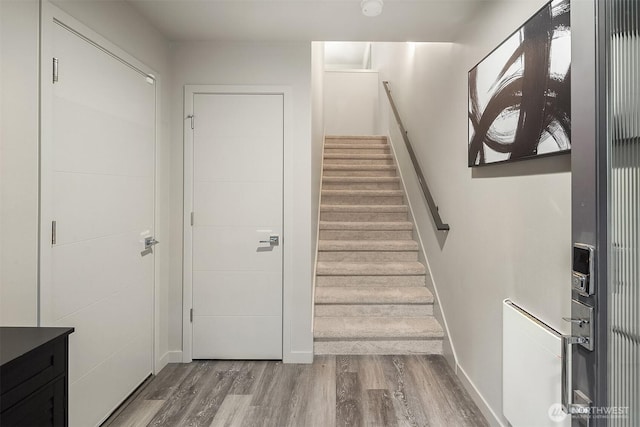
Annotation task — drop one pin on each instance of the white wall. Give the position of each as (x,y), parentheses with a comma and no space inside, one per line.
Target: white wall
(18,162)
(510,224)
(350,101)
(282,64)
(346,55)
(123,26)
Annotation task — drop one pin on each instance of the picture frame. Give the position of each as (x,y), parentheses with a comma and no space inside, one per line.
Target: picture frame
(519,98)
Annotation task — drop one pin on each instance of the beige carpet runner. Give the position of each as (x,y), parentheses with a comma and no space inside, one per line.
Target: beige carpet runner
(371,295)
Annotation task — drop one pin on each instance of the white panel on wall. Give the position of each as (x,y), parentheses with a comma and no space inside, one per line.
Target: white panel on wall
(351,102)
(531,368)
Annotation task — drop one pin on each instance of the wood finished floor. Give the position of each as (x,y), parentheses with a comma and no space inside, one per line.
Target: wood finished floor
(333,391)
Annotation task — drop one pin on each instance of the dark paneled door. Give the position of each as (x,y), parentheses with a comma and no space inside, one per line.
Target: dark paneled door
(604,345)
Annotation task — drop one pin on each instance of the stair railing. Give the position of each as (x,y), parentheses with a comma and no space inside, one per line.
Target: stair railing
(423,183)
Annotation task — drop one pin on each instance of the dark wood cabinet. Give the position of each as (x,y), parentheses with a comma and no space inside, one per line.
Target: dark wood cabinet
(34,376)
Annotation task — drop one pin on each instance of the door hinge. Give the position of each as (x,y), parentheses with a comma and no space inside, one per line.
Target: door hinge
(191,116)
(55,70)
(192,220)
(54,236)
(191,315)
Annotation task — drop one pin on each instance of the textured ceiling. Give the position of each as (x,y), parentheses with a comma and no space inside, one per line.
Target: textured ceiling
(306,20)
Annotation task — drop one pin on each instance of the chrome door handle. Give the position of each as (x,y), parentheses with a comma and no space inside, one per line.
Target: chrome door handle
(567,406)
(578,322)
(274,240)
(149,242)
(582,333)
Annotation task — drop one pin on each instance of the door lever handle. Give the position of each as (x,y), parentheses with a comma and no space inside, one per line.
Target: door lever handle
(578,322)
(149,242)
(567,402)
(274,240)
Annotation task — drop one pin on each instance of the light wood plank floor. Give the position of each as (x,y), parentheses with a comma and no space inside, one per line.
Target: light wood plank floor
(333,391)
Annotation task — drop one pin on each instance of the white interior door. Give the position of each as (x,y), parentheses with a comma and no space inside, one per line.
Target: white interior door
(237,202)
(98,188)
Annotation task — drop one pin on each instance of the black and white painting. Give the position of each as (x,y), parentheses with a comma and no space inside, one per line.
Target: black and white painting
(520,94)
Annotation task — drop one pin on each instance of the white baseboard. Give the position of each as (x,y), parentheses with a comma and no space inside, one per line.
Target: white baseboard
(170,357)
(302,357)
(492,418)
(305,357)
(175,356)
(161,363)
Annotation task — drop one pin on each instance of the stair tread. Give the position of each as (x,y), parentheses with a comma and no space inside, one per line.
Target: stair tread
(396,268)
(359,179)
(348,166)
(373,310)
(364,208)
(377,327)
(358,156)
(366,225)
(362,137)
(374,295)
(383,193)
(367,245)
(355,146)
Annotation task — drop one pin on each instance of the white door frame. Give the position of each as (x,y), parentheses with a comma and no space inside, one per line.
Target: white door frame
(50,14)
(287,259)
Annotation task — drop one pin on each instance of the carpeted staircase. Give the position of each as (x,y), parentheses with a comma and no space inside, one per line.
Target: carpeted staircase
(370,294)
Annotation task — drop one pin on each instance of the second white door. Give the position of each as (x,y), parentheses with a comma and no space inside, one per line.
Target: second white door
(237,205)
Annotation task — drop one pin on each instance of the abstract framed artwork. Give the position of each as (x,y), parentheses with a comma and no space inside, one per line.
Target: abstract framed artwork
(520,94)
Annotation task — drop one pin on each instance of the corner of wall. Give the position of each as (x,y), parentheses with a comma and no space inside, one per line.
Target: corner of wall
(166,358)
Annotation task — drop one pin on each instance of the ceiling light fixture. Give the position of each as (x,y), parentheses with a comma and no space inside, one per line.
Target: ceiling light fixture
(371,7)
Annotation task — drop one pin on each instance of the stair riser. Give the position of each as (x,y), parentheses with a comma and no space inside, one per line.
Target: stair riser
(391,347)
(348,281)
(329,172)
(372,150)
(361,186)
(366,235)
(373,310)
(376,162)
(363,216)
(362,200)
(367,256)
